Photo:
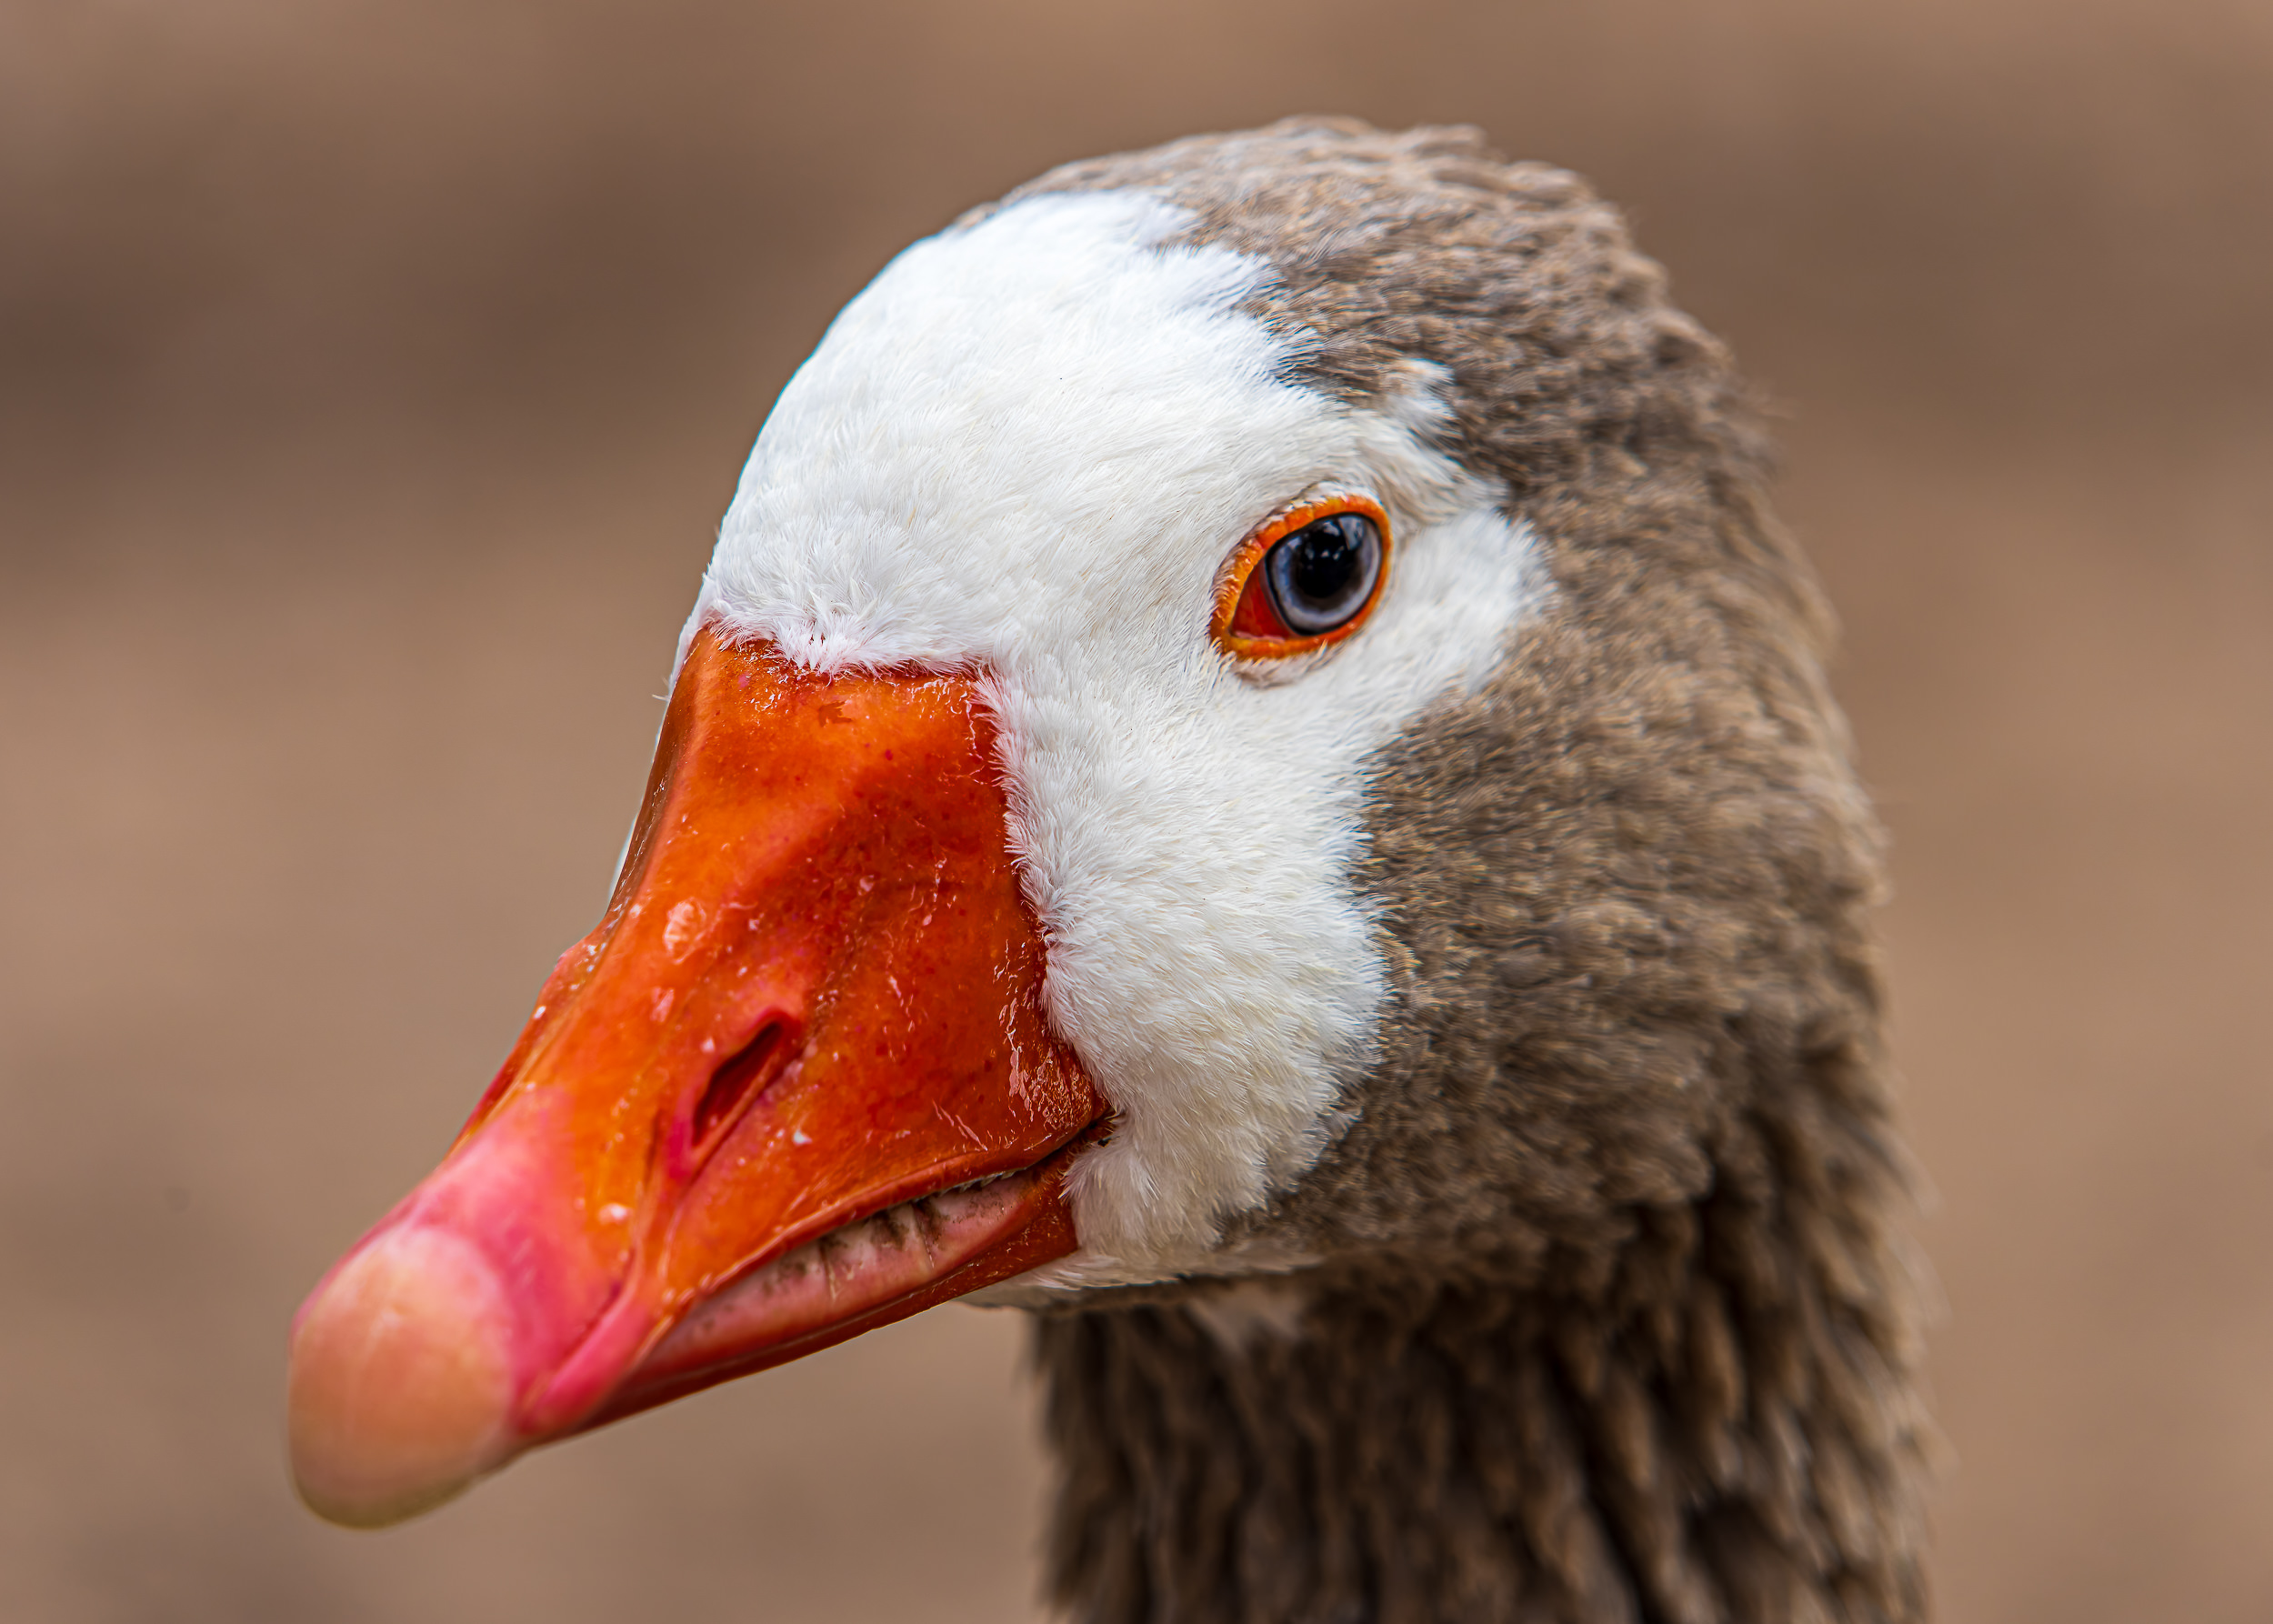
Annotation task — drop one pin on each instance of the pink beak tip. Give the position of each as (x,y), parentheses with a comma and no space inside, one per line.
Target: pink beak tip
(401,1392)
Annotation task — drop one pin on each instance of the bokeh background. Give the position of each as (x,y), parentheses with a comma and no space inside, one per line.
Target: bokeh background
(372,375)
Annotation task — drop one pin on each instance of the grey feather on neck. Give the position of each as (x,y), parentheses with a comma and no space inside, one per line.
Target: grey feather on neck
(1617,1319)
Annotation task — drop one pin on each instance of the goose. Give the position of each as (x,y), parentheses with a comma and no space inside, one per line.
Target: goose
(1251,775)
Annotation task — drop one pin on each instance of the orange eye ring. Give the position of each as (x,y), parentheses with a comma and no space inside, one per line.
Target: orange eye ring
(1247,623)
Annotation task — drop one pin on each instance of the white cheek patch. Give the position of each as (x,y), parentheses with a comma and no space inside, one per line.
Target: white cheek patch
(1027,450)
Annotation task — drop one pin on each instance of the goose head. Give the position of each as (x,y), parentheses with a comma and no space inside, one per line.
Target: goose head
(1248,719)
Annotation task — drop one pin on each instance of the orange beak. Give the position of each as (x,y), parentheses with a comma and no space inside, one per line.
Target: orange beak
(752,1112)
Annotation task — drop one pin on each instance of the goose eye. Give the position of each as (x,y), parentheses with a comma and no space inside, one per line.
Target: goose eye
(1324,573)
(1307,578)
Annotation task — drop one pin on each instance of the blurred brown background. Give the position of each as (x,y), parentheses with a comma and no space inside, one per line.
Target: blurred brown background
(372,375)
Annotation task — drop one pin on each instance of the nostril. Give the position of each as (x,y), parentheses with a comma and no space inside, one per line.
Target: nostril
(744,1075)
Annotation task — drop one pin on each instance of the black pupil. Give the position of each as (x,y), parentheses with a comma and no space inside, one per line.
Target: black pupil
(1325,562)
(1323,573)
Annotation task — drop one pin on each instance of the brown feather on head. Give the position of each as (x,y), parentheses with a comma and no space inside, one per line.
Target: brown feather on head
(1614,1317)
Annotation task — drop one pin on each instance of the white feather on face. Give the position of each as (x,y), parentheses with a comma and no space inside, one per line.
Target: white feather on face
(1027,449)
